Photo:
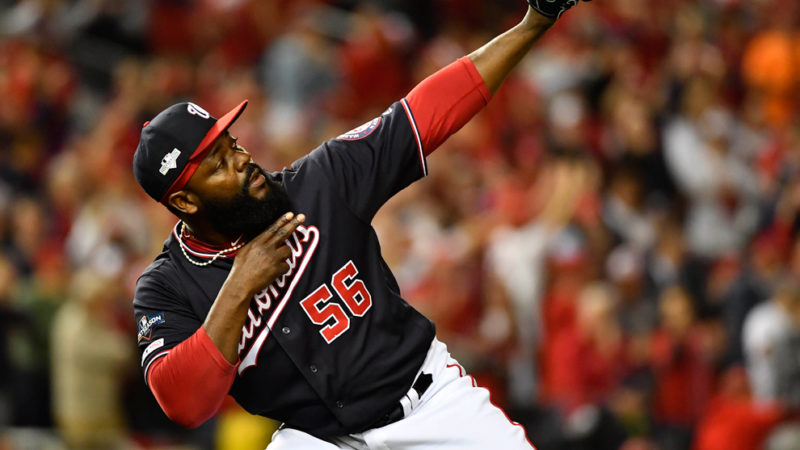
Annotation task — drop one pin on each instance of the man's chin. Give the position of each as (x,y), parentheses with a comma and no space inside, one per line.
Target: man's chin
(249,214)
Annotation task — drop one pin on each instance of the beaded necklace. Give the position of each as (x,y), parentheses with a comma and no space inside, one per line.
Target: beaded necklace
(216,255)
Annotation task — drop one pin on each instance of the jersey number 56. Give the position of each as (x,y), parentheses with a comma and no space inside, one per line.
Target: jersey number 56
(354,295)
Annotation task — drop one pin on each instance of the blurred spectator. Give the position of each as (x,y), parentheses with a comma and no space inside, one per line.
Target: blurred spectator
(784,437)
(372,61)
(24,324)
(682,369)
(27,231)
(720,184)
(631,140)
(666,263)
(516,258)
(754,284)
(586,365)
(553,276)
(12,323)
(588,361)
(732,421)
(89,355)
(638,310)
(624,212)
(107,230)
(299,71)
(771,340)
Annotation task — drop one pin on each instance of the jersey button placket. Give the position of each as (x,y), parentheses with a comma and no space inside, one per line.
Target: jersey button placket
(286,330)
(312,368)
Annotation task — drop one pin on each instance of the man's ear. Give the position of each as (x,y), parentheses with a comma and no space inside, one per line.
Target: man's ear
(184,201)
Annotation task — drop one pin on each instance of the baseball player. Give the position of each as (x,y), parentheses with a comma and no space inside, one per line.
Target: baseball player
(271,287)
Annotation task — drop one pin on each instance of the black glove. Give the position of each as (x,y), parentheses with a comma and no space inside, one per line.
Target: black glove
(552,8)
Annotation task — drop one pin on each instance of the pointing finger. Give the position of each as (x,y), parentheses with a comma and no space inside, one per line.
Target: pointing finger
(286,230)
(270,232)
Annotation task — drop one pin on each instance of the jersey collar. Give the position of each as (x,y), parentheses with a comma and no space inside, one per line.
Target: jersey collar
(201,249)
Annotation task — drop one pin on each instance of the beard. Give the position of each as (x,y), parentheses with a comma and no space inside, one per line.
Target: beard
(245,215)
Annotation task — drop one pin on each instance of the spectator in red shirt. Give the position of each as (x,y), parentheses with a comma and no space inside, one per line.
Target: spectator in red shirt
(682,370)
(732,421)
(587,361)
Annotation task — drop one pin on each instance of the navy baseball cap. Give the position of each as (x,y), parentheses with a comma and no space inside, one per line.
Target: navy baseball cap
(174,143)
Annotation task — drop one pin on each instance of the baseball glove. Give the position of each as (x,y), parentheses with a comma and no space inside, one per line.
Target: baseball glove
(552,8)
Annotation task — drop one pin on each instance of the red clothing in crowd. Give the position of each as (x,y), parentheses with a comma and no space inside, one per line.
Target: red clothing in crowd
(735,424)
(578,372)
(683,379)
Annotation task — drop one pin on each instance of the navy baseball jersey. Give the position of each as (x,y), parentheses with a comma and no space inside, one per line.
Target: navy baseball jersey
(331,345)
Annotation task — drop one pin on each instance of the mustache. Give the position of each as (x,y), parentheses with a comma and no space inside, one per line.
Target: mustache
(248,176)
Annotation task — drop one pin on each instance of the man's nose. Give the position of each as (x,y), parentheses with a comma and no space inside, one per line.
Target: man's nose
(243,159)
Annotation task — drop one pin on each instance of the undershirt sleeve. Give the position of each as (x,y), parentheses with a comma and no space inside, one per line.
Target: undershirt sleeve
(445,101)
(191,382)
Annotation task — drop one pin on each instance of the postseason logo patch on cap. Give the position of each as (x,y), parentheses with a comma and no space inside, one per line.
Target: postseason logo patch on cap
(176,138)
(170,161)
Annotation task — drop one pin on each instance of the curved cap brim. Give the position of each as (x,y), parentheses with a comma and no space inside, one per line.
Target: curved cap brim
(218,128)
(202,149)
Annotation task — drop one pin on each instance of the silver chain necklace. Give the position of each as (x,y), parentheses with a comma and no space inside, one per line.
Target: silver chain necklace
(216,255)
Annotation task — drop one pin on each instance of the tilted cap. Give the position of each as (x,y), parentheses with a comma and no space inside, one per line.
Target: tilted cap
(174,143)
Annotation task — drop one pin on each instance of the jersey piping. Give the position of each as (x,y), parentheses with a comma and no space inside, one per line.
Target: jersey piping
(251,357)
(423,163)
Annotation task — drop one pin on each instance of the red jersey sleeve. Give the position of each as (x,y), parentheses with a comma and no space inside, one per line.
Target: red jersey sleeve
(445,101)
(192,380)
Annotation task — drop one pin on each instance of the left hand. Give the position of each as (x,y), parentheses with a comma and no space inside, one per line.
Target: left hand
(552,9)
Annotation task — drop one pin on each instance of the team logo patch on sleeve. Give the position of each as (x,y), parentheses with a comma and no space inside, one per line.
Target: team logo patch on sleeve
(362,131)
(146,324)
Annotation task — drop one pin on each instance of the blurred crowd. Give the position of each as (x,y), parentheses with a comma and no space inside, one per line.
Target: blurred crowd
(612,246)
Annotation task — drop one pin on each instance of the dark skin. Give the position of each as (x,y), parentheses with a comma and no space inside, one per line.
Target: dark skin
(255,267)
(498,57)
(221,176)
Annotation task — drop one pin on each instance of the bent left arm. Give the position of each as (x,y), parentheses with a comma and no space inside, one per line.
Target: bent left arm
(495,60)
(445,101)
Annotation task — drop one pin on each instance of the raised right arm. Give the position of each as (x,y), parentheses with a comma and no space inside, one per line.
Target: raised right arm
(192,380)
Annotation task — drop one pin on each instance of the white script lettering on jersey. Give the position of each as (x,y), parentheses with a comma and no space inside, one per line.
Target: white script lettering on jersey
(261,316)
(197,111)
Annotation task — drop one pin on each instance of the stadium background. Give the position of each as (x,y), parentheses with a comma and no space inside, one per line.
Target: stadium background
(612,246)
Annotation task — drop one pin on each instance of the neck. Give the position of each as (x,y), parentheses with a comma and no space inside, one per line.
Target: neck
(209,236)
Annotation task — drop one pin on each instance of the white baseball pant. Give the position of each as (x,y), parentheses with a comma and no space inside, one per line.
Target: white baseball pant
(453,413)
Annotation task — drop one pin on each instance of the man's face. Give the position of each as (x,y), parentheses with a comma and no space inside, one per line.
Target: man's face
(236,195)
